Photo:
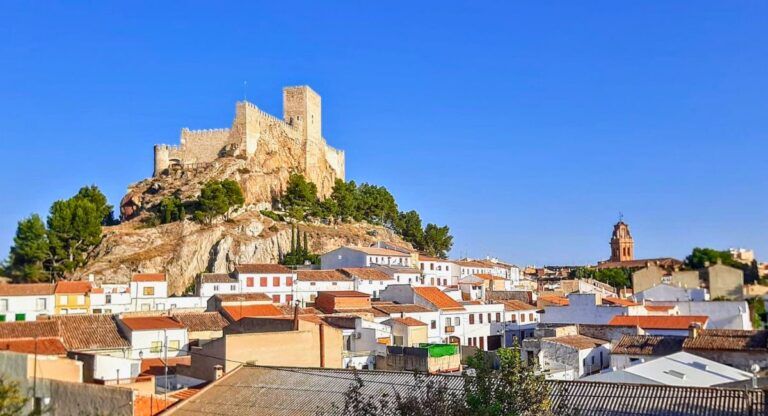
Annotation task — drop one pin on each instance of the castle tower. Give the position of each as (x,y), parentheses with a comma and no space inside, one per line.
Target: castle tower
(302,108)
(622,244)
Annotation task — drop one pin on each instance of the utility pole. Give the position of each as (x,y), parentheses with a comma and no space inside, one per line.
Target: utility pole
(165,361)
(34,382)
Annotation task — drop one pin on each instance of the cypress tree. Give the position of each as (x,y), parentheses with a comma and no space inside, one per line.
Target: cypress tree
(306,247)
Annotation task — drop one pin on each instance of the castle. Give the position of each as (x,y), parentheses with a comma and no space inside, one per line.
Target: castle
(301,126)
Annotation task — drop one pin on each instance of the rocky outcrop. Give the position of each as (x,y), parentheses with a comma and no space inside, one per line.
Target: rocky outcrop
(184,249)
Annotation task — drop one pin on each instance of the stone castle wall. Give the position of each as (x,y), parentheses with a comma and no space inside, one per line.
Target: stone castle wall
(299,134)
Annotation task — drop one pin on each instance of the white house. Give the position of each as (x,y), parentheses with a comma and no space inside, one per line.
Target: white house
(732,314)
(520,320)
(155,336)
(368,280)
(573,356)
(309,282)
(467,267)
(364,257)
(111,298)
(437,271)
(667,292)
(407,275)
(588,308)
(149,292)
(26,301)
(678,369)
(209,284)
(410,310)
(274,280)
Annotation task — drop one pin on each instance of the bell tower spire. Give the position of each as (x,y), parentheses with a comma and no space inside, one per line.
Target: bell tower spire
(622,243)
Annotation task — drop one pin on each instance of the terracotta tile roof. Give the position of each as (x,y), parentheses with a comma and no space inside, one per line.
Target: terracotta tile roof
(659,321)
(321,276)
(648,345)
(437,298)
(262,268)
(343,294)
(659,308)
(217,278)
(42,346)
(619,301)
(186,393)
(728,339)
(148,277)
(471,263)
(87,332)
(236,312)
(376,251)
(151,323)
(486,276)
(407,321)
(288,310)
(203,321)
(398,269)
(29,329)
(517,305)
(433,259)
(26,289)
(73,287)
(555,300)
(390,308)
(578,341)
(156,366)
(243,297)
(365,273)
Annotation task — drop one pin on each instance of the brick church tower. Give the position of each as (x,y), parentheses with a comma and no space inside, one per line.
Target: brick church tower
(622,244)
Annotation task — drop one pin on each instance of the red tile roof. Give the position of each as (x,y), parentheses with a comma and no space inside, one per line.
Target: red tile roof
(408,321)
(343,294)
(376,251)
(436,297)
(321,276)
(148,277)
(156,366)
(78,332)
(73,287)
(42,346)
(236,312)
(659,308)
(151,323)
(28,329)
(659,321)
(243,297)
(728,340)
(517,305)
(264,268)
(26,289)
(390,308)
(365,273)
(619,301)
(486,276)
(201,321)
(554,299)
(579,342)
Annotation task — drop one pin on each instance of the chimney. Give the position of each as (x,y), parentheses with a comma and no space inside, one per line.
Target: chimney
(218,371)
(693,330)
(296,316)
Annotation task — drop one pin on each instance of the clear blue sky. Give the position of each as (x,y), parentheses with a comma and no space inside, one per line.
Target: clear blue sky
(525,127)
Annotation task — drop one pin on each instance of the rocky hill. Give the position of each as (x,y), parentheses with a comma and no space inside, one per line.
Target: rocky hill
(184,249)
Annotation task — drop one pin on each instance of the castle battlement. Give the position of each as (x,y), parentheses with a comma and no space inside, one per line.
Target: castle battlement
(300,128)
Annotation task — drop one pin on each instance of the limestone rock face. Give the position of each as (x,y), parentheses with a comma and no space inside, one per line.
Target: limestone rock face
(184,249)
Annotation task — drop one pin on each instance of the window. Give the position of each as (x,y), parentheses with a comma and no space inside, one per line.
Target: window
(249,282)
(23,317)
(513,317)
(480,317)
(471,319)
(2,318)
(489,317)
(96,310)
(422,266)
(311,283)
(4,304)
(288,298)
(447,321)
(498,316)
(482,343)
(41,304)
(288,281)
(522,317)
(263,282)
(433,324)
(156,346)
(431,266)
(174,345)
(215,288)
(108,298)
(149,291)
(456,321)
(233,288)
(81,299)
(276,281)
(530,317)
(275,298)
(335,284)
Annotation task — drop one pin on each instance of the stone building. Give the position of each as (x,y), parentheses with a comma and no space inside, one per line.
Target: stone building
(253,128)
(622,244)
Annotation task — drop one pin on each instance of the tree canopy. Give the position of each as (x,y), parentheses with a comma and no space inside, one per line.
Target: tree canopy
(618,277)
(218,198)
(701,257)
(30,251)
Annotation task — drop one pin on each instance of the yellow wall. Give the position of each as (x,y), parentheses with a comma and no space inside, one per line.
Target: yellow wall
(71,302)
(55,368)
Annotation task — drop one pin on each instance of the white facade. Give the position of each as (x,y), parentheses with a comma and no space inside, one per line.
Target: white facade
(586,309)
(722,314)
(344,257)
(278,286)
(151,343)
(566,362)
(114,298)
(437,272)
(107,367)
(306,290)
(149,295)
(25,308)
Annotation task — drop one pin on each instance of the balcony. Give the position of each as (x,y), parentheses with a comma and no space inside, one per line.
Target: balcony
(450,329)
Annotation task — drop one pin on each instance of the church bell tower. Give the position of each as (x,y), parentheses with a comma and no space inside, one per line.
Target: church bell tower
(622,244)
